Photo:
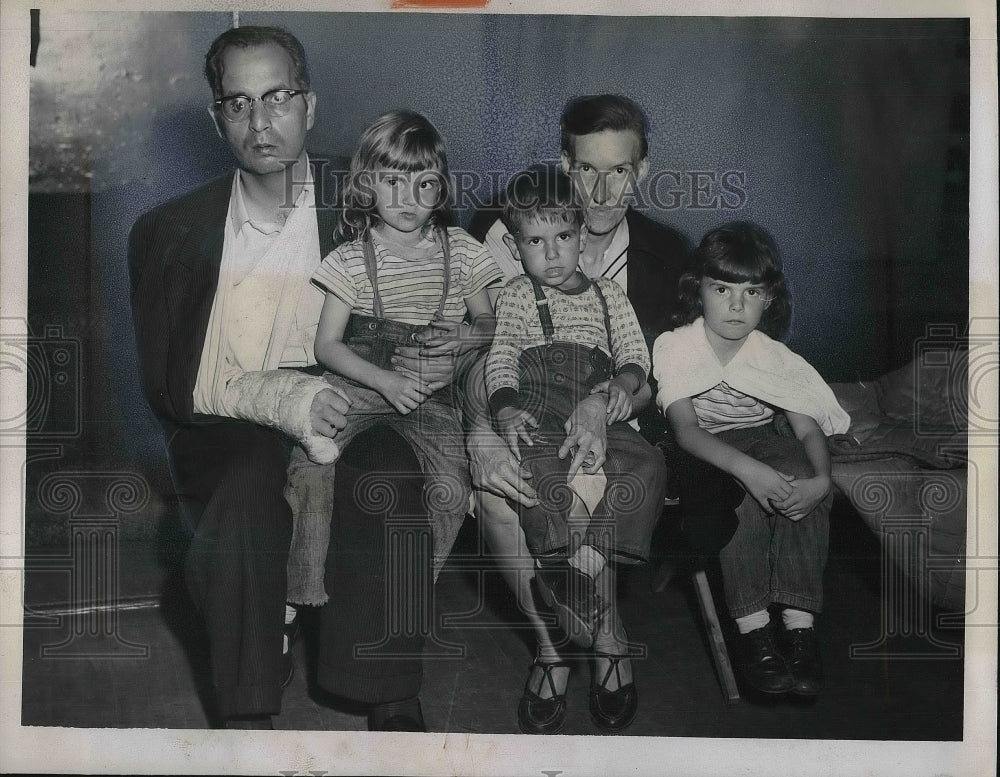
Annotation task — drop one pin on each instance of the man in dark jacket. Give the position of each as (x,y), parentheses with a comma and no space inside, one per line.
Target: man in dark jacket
(225,319)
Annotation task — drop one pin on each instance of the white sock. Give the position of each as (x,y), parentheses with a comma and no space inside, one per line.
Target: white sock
(588,560)
(290,614)
(796,619)
(753,621)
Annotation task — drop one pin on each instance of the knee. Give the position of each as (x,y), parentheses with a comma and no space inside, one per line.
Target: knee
(255,481)
(646,471)
(501,526)
(650,465)
(379,448)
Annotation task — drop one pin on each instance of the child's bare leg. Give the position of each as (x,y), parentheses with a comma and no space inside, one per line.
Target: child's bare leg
(613,695)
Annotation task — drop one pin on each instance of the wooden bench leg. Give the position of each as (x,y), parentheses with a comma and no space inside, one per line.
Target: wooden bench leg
(715,638)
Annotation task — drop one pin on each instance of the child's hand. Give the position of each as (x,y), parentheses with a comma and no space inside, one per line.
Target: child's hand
(765,484)
(620,399)
(806,494)
(515,425)
(403,392)
(619,402)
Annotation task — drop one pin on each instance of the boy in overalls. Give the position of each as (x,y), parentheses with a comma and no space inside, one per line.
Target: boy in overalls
(560,338)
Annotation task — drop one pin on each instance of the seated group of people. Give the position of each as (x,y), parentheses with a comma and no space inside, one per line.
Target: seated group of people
(339,384)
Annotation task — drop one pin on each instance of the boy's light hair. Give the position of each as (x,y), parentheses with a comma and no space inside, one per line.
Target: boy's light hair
(540,193)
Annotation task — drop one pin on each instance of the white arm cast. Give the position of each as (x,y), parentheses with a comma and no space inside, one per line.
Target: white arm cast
(280,399)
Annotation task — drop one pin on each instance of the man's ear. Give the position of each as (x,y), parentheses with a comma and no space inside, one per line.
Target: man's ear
(216,121)
(310,109)
(511,243)
(641,169)
(564,161)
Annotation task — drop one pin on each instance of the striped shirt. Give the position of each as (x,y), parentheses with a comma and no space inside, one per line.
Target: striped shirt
(723,408)
(577,318)
(410,279)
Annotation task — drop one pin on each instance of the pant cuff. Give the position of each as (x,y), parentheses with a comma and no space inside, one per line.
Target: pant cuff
(366,689)
(244,700)
(799,602)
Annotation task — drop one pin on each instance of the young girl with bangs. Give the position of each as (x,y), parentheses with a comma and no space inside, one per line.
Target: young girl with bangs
(755,416)
(402,277)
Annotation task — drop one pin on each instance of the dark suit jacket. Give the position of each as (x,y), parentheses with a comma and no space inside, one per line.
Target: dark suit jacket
(656,259)
(174,254)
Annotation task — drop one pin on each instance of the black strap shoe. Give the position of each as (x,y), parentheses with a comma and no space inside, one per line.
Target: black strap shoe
(536,715)
(613,710)
(801,650)
(287,669)
(764,667)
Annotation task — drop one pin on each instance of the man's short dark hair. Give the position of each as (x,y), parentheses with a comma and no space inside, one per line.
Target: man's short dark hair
(251,37)
(541,193)
(598,112)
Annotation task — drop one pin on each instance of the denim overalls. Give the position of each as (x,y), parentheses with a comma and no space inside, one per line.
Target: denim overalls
(554,379)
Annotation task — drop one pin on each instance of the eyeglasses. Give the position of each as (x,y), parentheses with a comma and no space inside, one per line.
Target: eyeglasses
(277,102)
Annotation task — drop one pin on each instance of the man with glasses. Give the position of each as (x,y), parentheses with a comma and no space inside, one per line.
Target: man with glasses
(225,319)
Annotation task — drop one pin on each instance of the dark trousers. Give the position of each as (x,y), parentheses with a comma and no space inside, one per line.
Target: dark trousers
(378,573)
(554,379)
(230,477)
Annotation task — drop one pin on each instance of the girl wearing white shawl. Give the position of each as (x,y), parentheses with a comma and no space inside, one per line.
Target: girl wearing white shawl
(726,387)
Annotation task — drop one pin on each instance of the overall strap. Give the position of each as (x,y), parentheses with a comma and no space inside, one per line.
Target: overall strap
(442,233)
(372,272)
(607,317)
(542,305)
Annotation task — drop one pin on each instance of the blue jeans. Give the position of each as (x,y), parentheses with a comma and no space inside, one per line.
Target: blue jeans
(434,432)
(771,559)
(554,379)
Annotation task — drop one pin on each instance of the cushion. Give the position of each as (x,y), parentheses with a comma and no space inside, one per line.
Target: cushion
(931,391)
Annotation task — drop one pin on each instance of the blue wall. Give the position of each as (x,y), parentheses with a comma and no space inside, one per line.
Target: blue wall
(843,129)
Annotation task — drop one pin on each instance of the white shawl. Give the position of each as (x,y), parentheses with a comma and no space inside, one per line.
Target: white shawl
(685,365)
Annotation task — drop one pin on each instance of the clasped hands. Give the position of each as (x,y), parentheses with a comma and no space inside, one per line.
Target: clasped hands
(794,498)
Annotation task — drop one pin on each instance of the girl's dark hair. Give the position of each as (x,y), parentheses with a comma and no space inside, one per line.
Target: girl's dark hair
(398,140)
(738,252)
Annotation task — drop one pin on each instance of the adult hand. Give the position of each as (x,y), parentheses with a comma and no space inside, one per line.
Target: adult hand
(435,372)
(586,436)
(495,469)
(441,339)
(326,414)
(516,424)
